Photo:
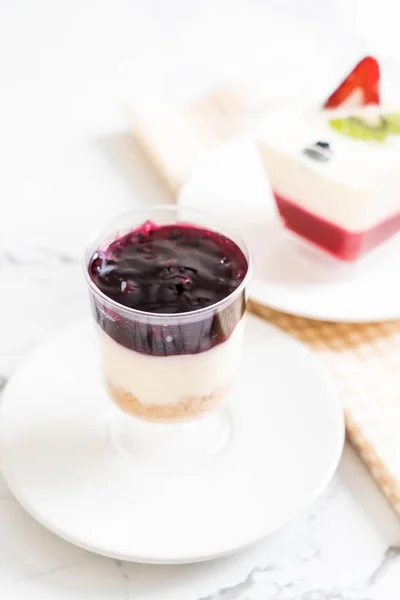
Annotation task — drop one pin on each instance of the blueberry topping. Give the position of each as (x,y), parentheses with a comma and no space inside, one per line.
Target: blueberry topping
(169,269)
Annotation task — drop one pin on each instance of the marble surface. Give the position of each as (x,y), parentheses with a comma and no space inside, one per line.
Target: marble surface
(68,70)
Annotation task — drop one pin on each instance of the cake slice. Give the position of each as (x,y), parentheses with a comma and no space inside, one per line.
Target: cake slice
(335,170)
(335,175)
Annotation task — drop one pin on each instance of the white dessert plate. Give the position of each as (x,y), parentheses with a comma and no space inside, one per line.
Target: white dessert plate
(57,458)
(287,276)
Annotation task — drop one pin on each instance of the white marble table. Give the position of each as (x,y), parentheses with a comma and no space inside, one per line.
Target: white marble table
(67,164)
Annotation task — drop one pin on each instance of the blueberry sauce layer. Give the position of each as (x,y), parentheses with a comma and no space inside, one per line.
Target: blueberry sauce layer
(169,269)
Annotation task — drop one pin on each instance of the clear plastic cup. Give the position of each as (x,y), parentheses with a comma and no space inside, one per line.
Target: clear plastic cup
(168,369)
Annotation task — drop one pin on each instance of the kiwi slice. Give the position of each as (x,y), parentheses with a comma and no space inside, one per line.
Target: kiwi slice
(393,122)
(376,129)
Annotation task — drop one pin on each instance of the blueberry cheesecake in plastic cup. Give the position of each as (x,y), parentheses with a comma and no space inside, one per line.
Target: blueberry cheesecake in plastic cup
(168,294)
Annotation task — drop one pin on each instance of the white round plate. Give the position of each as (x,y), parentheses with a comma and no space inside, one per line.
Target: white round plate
(231,180)
(56,455)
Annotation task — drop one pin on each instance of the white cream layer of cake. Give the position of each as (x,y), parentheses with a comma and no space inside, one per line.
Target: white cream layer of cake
(164,380)
(356,189)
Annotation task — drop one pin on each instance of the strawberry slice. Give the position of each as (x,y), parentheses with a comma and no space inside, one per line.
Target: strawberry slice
(360,87)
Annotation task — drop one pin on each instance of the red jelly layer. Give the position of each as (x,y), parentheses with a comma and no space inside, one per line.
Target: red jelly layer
(344,245)
(169,269)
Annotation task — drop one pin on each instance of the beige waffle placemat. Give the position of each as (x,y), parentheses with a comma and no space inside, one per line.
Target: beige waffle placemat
(174,137)
(363,360)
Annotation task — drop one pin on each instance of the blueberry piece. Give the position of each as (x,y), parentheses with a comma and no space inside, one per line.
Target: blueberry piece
(319,151)
(323,145)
